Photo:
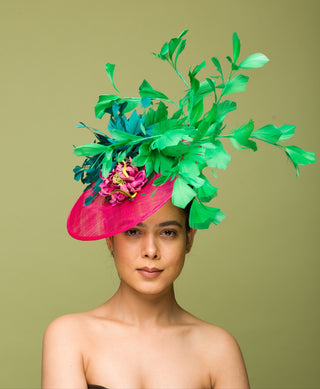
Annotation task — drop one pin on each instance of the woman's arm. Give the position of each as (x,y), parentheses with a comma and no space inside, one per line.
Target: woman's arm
(62,362)
(229,368)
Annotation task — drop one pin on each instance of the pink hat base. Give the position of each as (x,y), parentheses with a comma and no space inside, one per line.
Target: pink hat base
(100,219)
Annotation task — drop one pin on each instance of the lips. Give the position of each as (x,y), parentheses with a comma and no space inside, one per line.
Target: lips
(149,272)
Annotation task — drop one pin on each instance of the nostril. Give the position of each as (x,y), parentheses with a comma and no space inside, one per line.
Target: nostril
(152,254)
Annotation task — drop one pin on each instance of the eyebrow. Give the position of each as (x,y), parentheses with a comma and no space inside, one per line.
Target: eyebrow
(164,224)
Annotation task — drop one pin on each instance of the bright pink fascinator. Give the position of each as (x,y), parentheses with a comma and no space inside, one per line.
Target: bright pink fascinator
(101,219)
(153,153)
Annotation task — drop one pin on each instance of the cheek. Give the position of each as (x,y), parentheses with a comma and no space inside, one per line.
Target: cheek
(121,266)
(176,256)
(176,270)
(123,255)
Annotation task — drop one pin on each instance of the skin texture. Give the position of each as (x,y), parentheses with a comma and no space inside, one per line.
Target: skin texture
(141,338)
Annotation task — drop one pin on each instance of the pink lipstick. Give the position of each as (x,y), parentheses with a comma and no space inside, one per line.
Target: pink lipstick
(149,272)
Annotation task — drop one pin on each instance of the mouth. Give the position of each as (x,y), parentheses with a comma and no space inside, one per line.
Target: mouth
(149,272)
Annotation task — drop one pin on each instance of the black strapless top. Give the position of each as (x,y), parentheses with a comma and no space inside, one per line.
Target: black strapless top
(96,387)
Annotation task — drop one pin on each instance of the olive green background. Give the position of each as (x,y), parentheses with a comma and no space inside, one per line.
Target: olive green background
(256,274)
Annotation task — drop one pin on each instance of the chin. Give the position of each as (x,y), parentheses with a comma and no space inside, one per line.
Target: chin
(152,288)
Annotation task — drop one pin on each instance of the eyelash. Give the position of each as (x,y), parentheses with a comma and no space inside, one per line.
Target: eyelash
(132,232)
(167,233)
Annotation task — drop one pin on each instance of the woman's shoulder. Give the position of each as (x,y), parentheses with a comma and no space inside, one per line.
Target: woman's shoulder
(215,333)
(215,339)
(65,330)
(65,323)
(65,343)
(221,353)
(72,325)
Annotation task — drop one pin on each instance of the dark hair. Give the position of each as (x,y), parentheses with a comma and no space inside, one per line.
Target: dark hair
(187,213)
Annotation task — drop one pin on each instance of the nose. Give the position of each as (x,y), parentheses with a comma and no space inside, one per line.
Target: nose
(150,247)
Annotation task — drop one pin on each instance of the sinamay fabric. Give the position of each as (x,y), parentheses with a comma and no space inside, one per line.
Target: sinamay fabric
(101,219)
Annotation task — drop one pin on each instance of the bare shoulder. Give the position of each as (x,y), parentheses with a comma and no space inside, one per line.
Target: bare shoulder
(62,356)
(216,336)
(72,331)
(222,356)
(222,340)
(64,324)
(63,330)
(72,325)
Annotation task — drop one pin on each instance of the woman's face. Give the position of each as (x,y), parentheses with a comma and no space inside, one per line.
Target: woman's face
(150,256)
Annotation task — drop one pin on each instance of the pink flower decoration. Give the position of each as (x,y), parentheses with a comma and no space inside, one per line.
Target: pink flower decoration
(123,182)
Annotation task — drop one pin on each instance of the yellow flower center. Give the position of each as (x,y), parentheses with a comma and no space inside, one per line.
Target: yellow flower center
(116,179)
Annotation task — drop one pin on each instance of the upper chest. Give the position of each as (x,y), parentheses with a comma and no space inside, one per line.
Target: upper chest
(127,358)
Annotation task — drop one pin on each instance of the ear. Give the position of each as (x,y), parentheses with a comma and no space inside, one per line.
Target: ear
(190,236)
(110,243)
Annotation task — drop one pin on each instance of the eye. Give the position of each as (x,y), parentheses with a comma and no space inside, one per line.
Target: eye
(169,233)
(132,232)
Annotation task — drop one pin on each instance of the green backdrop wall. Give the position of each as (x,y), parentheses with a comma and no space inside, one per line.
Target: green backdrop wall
(256,274)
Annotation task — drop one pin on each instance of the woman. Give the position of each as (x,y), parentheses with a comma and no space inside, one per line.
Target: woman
(146,192)
(141,337)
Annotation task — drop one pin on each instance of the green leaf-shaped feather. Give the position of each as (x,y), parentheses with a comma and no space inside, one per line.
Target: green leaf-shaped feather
(182,193)
(256,60)
(105,101)
(169,138)
(240,137)
(164,52)
(124,137)
(236,84)
(271,133)
(180,49)
(236,47)
(89,150)
(107,163)
(216,63)
(299,156)
(197,68)
(182,34)
(146,90)
(110,70)
(201,216)
(217,157)
(189,167)
(287,131)
(206,192)
(153,116)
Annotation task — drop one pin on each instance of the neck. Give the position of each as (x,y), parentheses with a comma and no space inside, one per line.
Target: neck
(128,305)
